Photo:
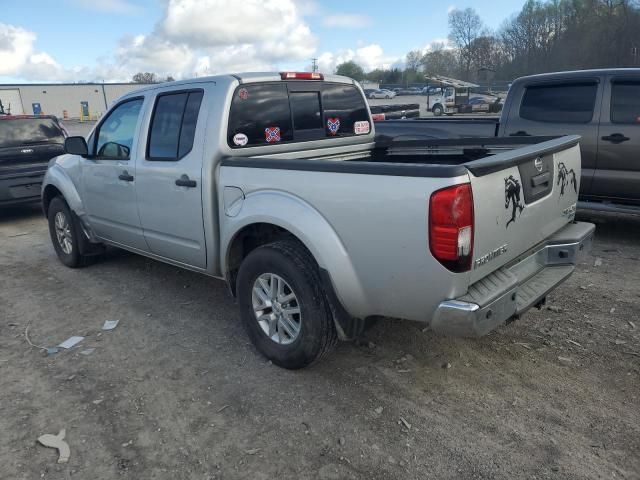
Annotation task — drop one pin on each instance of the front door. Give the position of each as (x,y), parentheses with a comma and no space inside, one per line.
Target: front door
(169,178)
(617,175)
(108,177)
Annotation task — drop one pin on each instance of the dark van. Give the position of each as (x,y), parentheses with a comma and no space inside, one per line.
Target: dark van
(27,143)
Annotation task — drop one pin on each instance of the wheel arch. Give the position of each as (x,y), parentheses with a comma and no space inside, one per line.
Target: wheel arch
(257,224)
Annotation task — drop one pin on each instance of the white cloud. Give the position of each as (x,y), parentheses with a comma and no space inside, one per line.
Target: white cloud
(153,54)
(16,46)
(109,6)
(437,43)
(346,20)
(369,57)
(451,8)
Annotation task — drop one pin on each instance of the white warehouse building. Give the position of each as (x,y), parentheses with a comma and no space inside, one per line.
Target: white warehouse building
(58,98)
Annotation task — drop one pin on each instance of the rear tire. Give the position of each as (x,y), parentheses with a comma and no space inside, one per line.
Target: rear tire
(65,234)
(273,280)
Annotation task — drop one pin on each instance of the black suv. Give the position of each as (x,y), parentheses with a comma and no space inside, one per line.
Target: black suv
(27,143)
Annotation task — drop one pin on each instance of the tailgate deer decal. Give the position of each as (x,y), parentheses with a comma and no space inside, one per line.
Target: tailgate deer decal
(565,177)
(512,197)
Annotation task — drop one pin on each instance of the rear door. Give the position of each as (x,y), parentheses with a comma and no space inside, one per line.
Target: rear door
(617,176)
(521,197)
(560,107)
(169,177)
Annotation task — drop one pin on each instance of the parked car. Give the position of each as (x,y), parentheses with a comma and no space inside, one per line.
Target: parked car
(382,94)
(369,91)
(408,91)
(479,104)
(273,183)
(27,143)
(602,106)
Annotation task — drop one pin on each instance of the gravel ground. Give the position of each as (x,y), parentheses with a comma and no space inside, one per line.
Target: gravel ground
(177,392)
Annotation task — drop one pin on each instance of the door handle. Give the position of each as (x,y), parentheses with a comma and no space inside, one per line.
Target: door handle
(184,181)
(519,133)
(615,138)
(125,176)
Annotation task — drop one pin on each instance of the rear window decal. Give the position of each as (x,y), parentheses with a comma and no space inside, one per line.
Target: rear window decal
(272,134)
(361,128)
(243,93)
(333,124)
(240,139)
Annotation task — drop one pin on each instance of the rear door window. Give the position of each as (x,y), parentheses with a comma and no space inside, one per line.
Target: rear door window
(273,113)
(173,125)
(559,103)
(625,102)
(15,132)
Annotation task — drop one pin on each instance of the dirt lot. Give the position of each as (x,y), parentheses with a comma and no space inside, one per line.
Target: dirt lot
(176,392)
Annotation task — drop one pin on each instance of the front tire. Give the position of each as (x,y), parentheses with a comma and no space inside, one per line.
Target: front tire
(438,110)
(65,234)
(282,305)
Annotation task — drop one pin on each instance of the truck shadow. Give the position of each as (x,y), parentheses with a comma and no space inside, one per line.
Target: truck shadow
(20,212)
(613,226)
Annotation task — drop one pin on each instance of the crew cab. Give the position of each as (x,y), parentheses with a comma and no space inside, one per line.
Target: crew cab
(602,106)
(27,143)
(274,183)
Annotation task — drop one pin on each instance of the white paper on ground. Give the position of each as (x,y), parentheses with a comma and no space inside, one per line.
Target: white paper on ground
(70,342)
(110,324)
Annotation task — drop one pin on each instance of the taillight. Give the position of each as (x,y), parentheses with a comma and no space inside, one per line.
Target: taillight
(451,227)
(301,76)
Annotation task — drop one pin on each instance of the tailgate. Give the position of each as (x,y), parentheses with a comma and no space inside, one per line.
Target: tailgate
(521,197)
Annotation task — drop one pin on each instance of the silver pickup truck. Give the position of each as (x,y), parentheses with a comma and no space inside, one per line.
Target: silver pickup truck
(275,183)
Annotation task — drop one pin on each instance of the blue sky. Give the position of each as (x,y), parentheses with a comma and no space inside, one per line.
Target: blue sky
(80,40)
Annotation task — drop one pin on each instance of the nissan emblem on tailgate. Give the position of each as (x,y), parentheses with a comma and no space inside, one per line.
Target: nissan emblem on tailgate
(538,163)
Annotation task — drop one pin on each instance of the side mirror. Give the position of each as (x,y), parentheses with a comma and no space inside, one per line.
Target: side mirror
(76,146)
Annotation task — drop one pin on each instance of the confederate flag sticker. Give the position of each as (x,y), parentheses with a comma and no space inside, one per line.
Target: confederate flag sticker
(243,93)
(272,134)
(361,128)
(333,124)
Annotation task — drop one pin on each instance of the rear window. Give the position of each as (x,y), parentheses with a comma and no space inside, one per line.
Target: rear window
(270,113)
(625,102)
(29,131)
(560,103)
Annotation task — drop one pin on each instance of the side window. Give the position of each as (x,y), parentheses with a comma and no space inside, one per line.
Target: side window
(115,136)
(343,107)
(173,125)
(560,103)
(260,115)
(625,102)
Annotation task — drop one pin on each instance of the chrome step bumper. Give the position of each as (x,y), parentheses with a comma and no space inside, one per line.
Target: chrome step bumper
(513,289)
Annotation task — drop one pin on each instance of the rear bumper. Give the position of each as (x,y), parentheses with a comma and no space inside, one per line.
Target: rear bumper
(21,186)
(513,289)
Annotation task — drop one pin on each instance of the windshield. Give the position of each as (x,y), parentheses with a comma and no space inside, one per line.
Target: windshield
(29,131)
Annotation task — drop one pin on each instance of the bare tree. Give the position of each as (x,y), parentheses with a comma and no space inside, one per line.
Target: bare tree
(145,77)
(465,26)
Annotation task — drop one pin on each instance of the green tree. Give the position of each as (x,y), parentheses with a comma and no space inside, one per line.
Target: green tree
(351,69)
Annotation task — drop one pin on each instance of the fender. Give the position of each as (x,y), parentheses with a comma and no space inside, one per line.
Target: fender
(59,174)
(312,229)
